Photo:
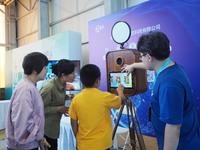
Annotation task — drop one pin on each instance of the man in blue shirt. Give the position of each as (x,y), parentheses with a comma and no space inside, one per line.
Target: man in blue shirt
(174,115)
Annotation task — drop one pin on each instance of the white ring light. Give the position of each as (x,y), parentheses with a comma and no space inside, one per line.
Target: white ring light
(121,32)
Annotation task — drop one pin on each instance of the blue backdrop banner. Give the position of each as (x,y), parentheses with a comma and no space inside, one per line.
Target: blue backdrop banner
(178,19)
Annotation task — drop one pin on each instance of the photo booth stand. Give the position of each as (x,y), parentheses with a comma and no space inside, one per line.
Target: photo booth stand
(133,84)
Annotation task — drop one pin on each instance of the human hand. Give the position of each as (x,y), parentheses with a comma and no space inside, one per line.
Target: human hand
(120,91)
(120,88)
(62,109)
(127,68)
(43,143)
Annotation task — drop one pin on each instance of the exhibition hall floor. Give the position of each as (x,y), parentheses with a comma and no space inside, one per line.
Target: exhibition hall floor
(2,140)
(150,142)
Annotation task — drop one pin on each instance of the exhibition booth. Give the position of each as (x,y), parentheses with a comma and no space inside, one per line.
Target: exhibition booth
(179,20)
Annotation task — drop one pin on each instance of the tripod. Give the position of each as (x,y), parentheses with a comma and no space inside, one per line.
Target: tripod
(134,128)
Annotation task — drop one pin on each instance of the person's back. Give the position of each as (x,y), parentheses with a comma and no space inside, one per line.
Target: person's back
(90,112)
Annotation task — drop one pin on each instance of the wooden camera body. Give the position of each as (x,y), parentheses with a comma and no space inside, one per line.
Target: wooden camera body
(133,84)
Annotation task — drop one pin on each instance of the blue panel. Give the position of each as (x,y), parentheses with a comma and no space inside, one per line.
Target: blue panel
(178,19)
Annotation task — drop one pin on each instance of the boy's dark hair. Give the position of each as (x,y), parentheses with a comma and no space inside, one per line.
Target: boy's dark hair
(156,44)
(34,62)
(63,66)
(89,74)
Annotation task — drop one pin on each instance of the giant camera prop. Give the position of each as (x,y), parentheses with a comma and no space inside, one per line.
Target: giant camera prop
(134,83)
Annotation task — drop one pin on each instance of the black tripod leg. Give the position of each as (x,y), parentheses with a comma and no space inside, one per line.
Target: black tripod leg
(117,121)
(137,128)
(131,127)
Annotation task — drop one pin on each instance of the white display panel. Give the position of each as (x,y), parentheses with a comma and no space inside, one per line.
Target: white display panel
(66,45)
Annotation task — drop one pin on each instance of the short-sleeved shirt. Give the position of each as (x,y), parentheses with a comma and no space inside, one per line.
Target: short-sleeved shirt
(91,108)
(173,103)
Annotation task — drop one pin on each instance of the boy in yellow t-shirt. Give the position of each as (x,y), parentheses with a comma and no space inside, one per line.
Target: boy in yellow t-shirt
(90,111)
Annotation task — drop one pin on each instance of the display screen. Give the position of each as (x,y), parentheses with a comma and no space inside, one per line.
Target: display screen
(70,86)
(117,78)
(49,74)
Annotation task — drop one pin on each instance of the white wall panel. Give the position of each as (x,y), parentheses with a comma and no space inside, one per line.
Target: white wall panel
(85,4)
(70,24)
(24,7)
(85,18)
(27,22)
(79,23)
(28,39)
(63,8)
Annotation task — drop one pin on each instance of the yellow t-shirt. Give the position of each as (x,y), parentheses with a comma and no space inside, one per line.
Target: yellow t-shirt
(91,108)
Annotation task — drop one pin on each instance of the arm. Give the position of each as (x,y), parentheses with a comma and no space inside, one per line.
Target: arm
(172,134)
(27,125)
(23,121)
(47,98)
(120,91)
(74,125)
(129,68)
(46,93)
(62,109)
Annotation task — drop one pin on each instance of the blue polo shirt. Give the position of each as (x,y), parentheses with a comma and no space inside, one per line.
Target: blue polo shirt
(172,102)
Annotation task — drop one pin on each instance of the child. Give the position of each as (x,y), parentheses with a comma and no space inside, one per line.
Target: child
(90,111)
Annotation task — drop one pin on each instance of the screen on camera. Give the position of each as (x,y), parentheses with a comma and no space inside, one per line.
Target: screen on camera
(117,78)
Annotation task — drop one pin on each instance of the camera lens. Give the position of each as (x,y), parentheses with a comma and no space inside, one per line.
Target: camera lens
(119,61)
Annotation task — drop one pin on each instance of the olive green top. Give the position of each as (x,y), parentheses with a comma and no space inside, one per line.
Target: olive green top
(53,95)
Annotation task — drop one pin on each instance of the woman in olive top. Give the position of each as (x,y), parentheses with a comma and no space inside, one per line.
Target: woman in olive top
(53,94)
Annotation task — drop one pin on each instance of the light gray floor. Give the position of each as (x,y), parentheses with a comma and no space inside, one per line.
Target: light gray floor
(3,144)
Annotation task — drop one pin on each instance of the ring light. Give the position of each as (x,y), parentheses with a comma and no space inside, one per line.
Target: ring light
(121,32)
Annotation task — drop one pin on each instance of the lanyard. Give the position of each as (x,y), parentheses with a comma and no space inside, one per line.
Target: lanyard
(167,62)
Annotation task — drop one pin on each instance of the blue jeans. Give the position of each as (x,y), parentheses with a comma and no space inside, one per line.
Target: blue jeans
(30,149)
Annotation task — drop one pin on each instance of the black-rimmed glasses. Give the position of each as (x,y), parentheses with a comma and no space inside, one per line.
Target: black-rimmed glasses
(140,57)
